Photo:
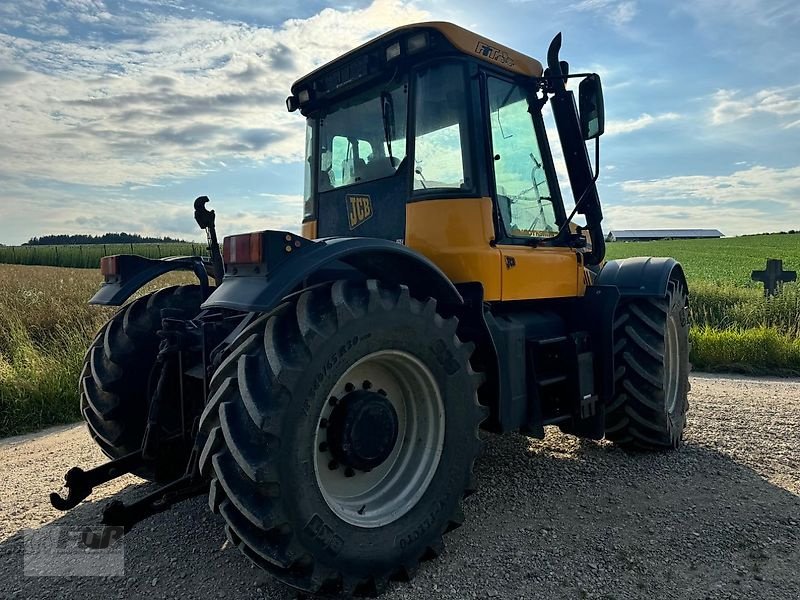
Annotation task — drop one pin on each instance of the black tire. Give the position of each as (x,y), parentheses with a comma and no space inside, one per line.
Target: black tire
(115,381)
(651,354)
(265,413)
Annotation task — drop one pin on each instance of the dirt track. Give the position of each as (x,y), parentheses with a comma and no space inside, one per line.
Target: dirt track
(558,518)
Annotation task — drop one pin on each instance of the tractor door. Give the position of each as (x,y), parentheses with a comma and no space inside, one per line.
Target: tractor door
(528,201)
(363,174)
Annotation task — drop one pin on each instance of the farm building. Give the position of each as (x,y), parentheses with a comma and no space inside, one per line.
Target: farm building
(646,235)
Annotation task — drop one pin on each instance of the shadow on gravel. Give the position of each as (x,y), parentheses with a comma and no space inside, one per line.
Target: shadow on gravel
(558,518)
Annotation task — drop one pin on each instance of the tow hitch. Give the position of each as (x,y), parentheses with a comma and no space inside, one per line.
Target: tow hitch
(179,339)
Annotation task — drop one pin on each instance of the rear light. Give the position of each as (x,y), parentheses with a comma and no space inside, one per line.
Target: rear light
(245,249)
(109,266)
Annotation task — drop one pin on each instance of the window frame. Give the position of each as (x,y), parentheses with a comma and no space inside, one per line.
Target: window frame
(502,235)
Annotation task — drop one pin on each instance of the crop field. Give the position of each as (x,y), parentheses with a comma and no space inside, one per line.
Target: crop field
(88,256)
(46,325)
(727,260)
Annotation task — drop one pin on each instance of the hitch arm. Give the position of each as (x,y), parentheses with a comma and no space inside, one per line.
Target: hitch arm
(80,483)
(127,515)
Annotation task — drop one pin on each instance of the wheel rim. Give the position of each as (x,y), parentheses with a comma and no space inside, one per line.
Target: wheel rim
(672,366)
(386,492)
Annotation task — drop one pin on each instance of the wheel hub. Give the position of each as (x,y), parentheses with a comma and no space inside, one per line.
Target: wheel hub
(362,430)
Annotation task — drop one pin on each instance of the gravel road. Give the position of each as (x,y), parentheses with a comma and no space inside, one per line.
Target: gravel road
(558,518)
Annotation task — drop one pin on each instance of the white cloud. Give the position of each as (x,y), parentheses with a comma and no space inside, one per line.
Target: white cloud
(618,12)
(640,122)
(731,221)
(756,184)
(41,211)
(168,94)
(781,103)
(750,13)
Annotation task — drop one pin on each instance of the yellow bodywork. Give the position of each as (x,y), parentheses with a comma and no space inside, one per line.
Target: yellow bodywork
(309,230)
(458,235)
(464,40)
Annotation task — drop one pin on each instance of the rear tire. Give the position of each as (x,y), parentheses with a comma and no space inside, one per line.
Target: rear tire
(651,355)
(115,381)
(274,398)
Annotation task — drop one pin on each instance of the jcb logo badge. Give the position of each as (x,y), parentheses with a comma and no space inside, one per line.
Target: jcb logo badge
(359,209)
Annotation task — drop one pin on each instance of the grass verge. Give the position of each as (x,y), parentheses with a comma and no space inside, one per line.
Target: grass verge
(45,327)
(756,351)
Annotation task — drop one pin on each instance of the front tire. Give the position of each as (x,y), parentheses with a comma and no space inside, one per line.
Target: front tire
(341,434)
(651,355)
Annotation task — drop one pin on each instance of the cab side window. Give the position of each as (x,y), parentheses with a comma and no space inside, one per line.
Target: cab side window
(441,154)
(523,192)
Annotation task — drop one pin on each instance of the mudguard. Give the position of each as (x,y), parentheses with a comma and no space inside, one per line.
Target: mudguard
(329,259)
(640,276)
(133,272)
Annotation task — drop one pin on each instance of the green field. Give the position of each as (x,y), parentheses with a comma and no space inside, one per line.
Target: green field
(45,323)
(734,327)
(88,256)
(728,260)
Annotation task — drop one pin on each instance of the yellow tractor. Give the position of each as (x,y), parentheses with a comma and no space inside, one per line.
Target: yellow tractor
(328,389)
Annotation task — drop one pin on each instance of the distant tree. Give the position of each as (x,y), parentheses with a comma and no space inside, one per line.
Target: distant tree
(106,238)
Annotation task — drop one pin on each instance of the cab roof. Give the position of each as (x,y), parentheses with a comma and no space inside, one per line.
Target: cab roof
(467,42)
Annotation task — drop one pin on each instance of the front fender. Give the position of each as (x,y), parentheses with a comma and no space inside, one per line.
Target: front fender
(641,276)
(335,258)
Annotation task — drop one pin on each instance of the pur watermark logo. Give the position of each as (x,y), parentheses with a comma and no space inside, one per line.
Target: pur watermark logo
(58,551)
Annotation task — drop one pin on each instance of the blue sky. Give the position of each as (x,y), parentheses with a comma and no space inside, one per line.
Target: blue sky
(114,115)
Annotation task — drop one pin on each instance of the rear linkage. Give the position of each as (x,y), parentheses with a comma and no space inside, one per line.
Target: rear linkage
(179,339)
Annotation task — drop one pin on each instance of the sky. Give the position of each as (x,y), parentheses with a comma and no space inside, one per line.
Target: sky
(115,115)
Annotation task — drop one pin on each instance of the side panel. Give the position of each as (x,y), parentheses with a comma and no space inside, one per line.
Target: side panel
(534,273)
(456,234)
(384,219)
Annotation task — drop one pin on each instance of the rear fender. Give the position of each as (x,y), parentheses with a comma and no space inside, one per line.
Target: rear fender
(328,260)
(133,272)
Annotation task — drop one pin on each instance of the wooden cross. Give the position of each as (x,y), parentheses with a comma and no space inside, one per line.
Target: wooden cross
(773,276)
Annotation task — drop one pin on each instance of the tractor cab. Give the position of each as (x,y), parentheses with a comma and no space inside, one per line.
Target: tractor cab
(433,137)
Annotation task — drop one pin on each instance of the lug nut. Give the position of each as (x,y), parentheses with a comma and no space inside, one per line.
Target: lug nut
(366,385)
(349,387)
(382,392)
(348,472)
(323,423)
(333,465)
(323,446)
(332,401)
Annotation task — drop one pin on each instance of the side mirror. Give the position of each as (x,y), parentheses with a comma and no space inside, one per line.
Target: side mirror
(591,109)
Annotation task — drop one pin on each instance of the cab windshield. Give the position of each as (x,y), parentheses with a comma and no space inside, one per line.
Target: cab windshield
(362,139)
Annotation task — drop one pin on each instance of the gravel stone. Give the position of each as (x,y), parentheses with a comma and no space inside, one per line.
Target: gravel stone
(554,518)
